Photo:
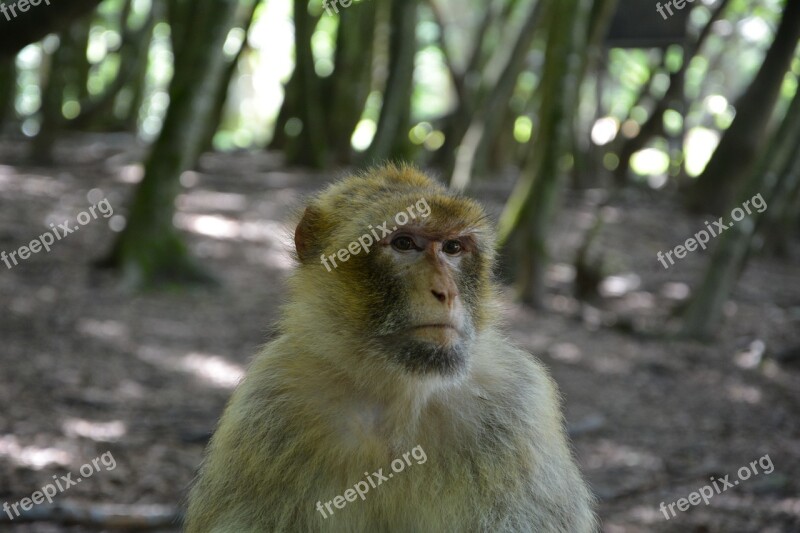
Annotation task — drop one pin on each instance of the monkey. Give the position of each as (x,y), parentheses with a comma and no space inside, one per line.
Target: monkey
(397,348)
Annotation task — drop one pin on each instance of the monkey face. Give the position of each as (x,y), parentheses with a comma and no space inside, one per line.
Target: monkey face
(429,327)
(420,291)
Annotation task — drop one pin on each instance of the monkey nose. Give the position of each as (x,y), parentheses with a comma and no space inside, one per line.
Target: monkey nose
(445,295)
(441,296)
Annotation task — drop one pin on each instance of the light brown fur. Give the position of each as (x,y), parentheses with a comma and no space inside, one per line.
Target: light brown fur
(321,405)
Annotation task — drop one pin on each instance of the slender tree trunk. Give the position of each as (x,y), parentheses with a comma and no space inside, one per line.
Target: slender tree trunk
(280,136)
(80,37)
(150,251)
(54,81)
(138,80)
(588,165)
(66,76)
(302,101)
(654,125)
(487,122)
(100,112)
(777,222)
(223,88)
(179,15)
(780,221)
(8,90)
(347,89)
(739,147)
(526,220)
(469,94)
(308,148)
(391,138)
(703,316)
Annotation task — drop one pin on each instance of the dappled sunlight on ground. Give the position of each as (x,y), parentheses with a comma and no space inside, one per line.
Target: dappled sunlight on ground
(87,367)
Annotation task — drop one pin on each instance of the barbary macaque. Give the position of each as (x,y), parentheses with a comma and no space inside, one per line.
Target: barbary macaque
(395,350)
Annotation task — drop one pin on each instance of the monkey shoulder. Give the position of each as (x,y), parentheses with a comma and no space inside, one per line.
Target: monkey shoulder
(514,377)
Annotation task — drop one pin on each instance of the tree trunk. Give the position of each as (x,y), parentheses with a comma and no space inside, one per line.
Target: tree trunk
(780,221)
(222,90)
(79,34)
(302,101)
(704,313)
(477,138)
(526,219)
(67,71)
(588,162)
(8,90)
(307,148)
(150,251)
(469,94)
(673,97)
(138,80)
(739,147)
(347,89)
(777,222)
(54,78)
(280,137)
(98,113)
(391,138)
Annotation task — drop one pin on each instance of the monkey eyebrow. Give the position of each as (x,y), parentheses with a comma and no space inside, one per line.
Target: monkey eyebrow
(463,232)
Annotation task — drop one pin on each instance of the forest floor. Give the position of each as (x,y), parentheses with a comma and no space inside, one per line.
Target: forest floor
(87,368)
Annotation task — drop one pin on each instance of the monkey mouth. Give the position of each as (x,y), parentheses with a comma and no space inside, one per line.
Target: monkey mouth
(438,333)
(435,347)
(438,326)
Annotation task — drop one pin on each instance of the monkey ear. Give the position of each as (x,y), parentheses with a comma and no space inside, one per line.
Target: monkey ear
(306,234)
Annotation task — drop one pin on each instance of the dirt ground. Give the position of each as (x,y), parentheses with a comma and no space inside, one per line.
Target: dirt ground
(87,368)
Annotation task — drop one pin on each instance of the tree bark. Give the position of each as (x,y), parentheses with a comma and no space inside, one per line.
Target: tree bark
(65,73)
(484,127)
(307,148)
(54,79)
(776,225)
(703,316)
(8,90)
(98,112)
(391,138)
(740,145)
(526,220)
(347,89)
(150,251)
(654,125)
(223,89)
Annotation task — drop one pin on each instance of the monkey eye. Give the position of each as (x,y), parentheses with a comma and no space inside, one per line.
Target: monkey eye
(452,247)
(403,243)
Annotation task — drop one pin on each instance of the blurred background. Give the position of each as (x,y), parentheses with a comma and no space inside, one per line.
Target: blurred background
(603,136)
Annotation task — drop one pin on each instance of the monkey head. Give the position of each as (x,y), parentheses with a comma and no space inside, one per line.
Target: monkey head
(395,259)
